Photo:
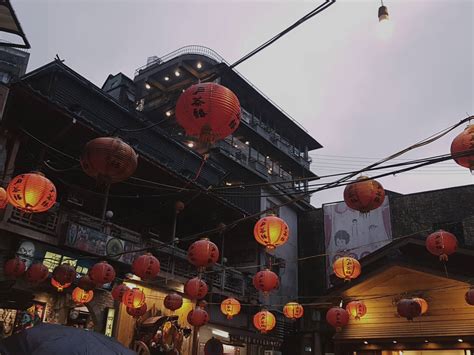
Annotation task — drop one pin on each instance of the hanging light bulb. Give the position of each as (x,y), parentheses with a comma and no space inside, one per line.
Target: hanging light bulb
(385,27)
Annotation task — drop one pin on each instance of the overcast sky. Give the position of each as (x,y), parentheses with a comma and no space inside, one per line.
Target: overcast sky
(360,96)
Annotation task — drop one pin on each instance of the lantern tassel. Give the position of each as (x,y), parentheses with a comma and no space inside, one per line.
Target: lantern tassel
(443,257)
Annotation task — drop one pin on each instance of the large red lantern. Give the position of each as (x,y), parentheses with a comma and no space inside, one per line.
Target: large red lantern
(337,317)
(109,159)
(173,301)
(31,193)
(230,307)
(266,281)
(208,111)
(37,273)
(64,274)
(293,310)
(469,296)
(14,267)
(423,304)
(86,283)
(133,298)
(118,291)
(213,347)
(102,273)
(3,198)
(198,317)
(347,268)
(442,244)
(264,321)
(146,266)
(356,309)
(464,143)
(364,195)
(408,308)
(81,296)
(137,312)
(195,288)
(271,232)
(59,286)
(203,253)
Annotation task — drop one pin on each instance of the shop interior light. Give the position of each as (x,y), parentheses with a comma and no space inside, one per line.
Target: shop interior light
(427,341)
(366,342)
(394,341)
(199,65)
(190,144)
(167,78)
(220,333)
(460,340)
(147,86)
(177,73)
(247,142)
(168,113)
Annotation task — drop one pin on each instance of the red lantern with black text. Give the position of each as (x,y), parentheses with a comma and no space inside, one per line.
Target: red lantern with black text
(364,195)
(264,321)
(408,308)
(208,111)
(137,312)
(442,244)
(37,273)
(203,253)
(102,273)
(81,296)
(230,307)
(86,283)
(64,274)
(266,281)
(59,286)
(14,268)
(195,288)
(464,143)
(173,301)
(356,309)
(213,347)
(118,291)
(198,317)
(271,232)
(293,310)
(3,198)
(347,268)
(469,296)
(133,298)
(337,317)
(147,267)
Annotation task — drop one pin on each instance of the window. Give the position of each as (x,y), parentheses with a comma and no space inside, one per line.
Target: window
(51,260)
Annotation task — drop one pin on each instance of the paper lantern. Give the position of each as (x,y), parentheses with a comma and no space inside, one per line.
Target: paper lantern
(423,304)
(37,273)
(293,310)
(31,193)
(133,298)
(86,283)
(213,347)
(266,281)
(271,232)
(347,268)
(118,291)
(364,195)
(208,111)
(81,296)
(64,274)
(137,312)
(198,317)
(469,296)
(230,307)
(173,301)
(264,321)
(408,308)
(59,286)
(3,198)
(337,317)
(146,266)
(356,309)
(442,244)
(14,268)
(195,288)
(203,253)
(102,273)
(463,143)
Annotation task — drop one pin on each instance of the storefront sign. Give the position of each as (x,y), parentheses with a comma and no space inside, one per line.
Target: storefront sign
(109,325)
(234,338)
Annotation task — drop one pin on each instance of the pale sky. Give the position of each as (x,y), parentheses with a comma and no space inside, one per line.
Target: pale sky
(358,95)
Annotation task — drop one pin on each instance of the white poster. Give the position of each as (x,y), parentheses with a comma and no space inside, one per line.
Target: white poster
(351,233)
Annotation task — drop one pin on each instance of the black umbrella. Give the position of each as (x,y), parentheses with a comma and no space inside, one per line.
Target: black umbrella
(54,339)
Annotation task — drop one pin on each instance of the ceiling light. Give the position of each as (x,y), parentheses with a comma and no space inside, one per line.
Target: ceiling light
(220,333)
(147,86)
(177,73)
(366,342)
(268,157)
(427,341)
(190,144)
(247,142)
(228,184)
(167,78)
(168,113)
(199,65)
(460,340)
(394,341)
(385,27)
(383,13)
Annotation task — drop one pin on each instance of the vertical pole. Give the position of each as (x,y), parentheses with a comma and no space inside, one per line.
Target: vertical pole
(106,201)
(195,348)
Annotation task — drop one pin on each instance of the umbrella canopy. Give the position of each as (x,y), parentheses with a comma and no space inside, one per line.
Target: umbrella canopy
(54,339)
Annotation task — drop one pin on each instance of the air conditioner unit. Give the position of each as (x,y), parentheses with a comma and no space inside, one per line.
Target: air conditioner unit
(272,352)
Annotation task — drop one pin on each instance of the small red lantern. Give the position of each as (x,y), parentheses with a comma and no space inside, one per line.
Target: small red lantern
(442,244)
(14,268)
(208,111)
(423,304)
(271,232)
(195,288)
(364,195)
(356,309)
(137,312)
(337,317)
(469,296)
(86,283)
(109,159)
(293,310)
(347,268)
(408,308)
(198,317)
(230,307)
(81,296)
(264,321)
(213,347)
(37,273)
(59,286)
(133,298)
(464,143)
(102,273)
(173,301)
(118,291)
(31,193)
(3,198)
(203,253)
(266,281)
(146,266)
(64,274)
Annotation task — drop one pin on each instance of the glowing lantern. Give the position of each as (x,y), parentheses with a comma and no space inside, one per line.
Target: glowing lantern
(337,317)
(442,244)
(469,296)
(59,286)
(137,312)
(195,288)
(3,198)
(293,310)
(133,298)
(80,296)
(146,266)
(408,308)
(230,307)
(356,309)
(109,159)
(423,304)
(266,281)
(271,232)
(203,253)
(64,274)
(102,273)
(31,193)
(208,111)
(198,317)
(264,321)
(364,195)
(14,267)
(213,347)
(347,268)
(118,291)
(86,283)
(173,301)
(37,273)
(464,143)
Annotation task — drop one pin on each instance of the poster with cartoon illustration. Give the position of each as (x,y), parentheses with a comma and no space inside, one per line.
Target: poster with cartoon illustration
(29,317)
(350,233)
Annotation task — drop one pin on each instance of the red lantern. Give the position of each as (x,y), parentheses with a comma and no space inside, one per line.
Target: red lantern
(230,307)
(37,273)
(423,304)
(64,274)
(264,321)
(469,296)
(356,309)
(203,253)
(3,198)
(133,298)
(81,296)
(102,273)
(347,268)
(442,244)
(208,111)
(173,301)
(213,347)
(195,288)
(408,308)
(266,281)
(59,286)
(146,266)
(14,268)
(198,317)
(364,195)
(464,143)
(118,291)
(86,283)
(337,317)
(31,193)
(271,232)
(293,310)
(137,312)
